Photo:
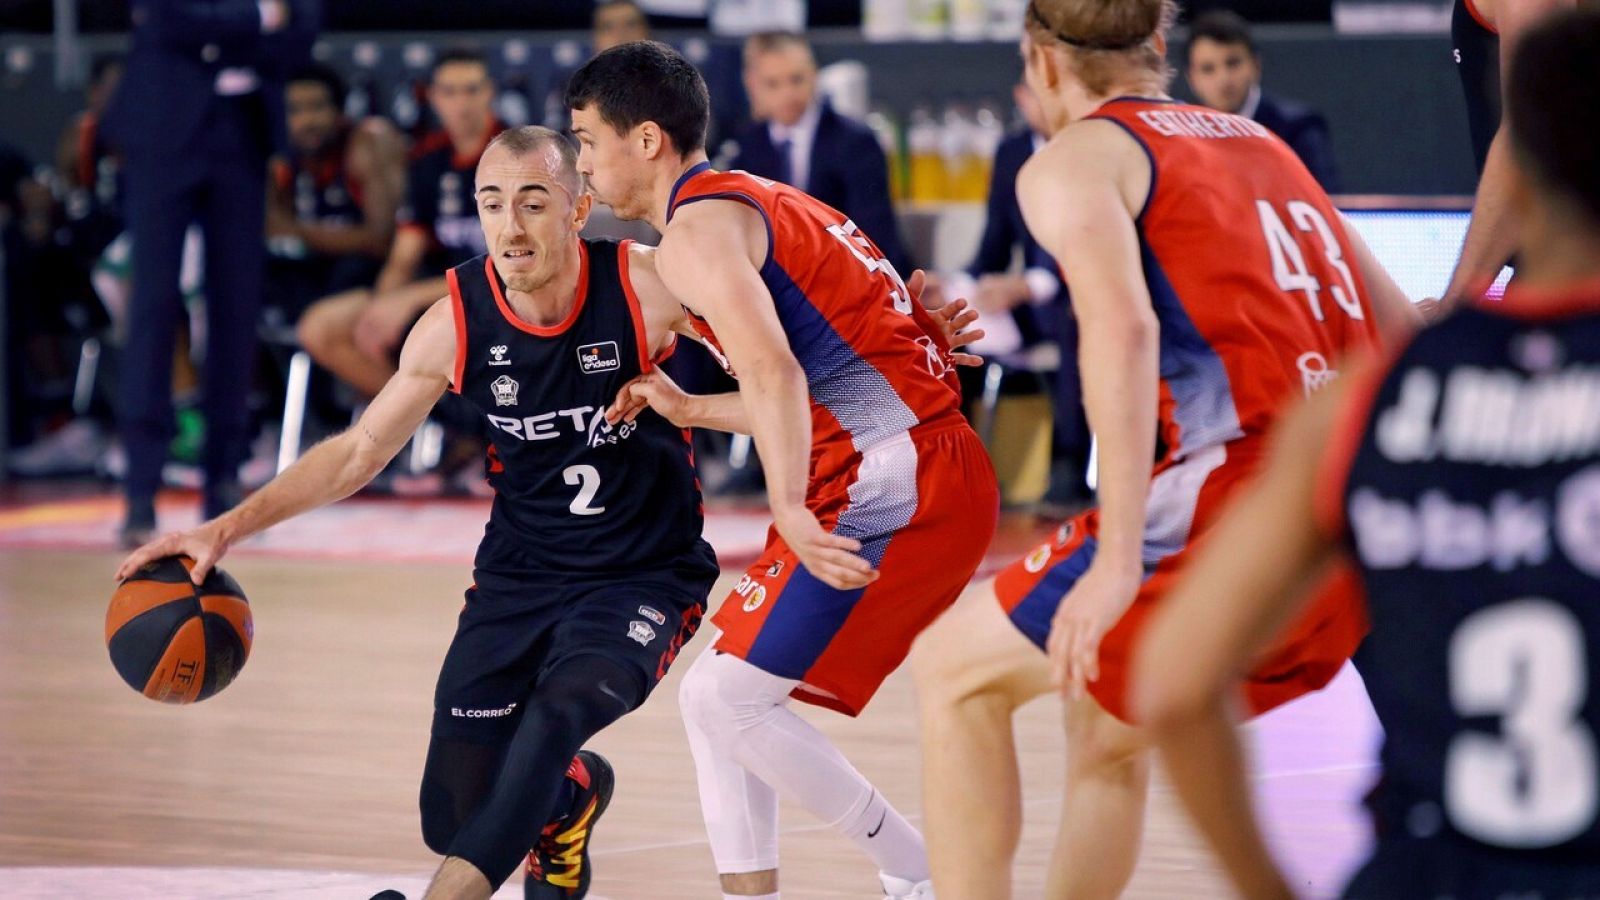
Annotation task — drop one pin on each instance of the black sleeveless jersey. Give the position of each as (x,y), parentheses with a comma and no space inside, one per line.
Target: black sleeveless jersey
(1472,509)
(574,496)
(1477,56)
(439,201)
(320,187)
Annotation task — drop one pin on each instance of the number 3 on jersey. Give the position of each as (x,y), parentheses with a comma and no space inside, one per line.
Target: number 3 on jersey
(587,478)
(1289,261)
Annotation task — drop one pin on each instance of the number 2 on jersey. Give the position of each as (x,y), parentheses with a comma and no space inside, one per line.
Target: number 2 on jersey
(587,478)
(1289,261)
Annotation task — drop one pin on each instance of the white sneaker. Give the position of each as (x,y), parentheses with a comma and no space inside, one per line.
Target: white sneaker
(901,889)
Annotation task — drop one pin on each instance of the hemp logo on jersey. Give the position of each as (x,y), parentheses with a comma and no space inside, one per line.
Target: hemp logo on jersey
(505,391)
(498,351)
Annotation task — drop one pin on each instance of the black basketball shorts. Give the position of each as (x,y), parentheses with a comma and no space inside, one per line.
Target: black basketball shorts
(509,635)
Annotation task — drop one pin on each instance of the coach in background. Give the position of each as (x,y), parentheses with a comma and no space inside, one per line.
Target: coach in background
(1223,68)
(196,116)
(797,138)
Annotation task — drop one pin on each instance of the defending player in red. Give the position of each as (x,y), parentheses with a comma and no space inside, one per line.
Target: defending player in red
(1214,283)
(1482,661)
(882,497)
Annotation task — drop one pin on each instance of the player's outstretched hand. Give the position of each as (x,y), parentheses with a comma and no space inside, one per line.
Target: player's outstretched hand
(205,545)
(655,390)
(830,557)
(1089,610)
(954,318)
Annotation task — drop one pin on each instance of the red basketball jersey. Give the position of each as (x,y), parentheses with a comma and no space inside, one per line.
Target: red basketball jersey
(1251,274)
(875,363)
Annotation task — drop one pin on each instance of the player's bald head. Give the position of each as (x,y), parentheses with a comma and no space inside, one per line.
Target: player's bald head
(542,148)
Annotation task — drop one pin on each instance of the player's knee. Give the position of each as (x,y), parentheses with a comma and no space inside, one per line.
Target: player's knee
(314,330)
(1098,741)
(698,699)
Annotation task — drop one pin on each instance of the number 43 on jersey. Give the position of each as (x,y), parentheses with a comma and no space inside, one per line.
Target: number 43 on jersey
(1289,260)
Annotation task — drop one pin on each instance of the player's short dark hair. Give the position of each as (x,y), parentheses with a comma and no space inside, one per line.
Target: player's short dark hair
(458,54)
(325,75)
(1553,101)
(645,81)
(1224,26)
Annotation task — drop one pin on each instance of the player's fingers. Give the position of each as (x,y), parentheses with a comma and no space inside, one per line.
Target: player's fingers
(967,317)
(915,284)
(838,542)
(144,555)
(205,556)
(966,359)
(845,560)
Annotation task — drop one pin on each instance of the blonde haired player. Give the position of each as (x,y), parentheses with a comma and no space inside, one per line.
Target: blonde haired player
(1214,283)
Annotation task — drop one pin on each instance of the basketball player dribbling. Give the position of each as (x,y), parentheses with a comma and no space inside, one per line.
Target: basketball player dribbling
(882,497)
(591,574)
(1214,284)
(1461,477)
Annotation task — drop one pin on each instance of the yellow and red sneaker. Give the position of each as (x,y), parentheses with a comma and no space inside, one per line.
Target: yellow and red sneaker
(558,868)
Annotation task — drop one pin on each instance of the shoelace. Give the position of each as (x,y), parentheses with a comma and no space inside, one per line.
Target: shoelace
(565,850)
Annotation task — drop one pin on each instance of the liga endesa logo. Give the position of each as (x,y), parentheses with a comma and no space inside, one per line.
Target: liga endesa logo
(601,357)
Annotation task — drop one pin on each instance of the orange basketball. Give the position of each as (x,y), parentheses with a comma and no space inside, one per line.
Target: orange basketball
(173,641)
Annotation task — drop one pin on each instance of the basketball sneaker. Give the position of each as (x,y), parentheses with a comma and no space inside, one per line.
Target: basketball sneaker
(558,868)
(901,889)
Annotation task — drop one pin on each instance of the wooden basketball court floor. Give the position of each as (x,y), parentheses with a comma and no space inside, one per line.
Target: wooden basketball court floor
(301,779)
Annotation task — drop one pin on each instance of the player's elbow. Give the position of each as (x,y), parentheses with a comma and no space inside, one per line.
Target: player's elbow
(363,460)
(774,373)
(1121,330)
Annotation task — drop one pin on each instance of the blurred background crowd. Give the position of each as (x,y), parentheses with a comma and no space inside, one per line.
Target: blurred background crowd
(221,217)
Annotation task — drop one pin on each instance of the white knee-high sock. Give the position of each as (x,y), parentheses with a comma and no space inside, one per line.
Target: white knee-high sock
(742,713)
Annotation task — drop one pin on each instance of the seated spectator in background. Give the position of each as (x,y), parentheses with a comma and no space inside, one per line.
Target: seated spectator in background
(50,265)
(1028,307)
(332,202)
(798,139)
(356,334)
(618,22)
(90,174)
(1223,68)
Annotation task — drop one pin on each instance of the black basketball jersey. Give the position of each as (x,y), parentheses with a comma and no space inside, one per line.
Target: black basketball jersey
(1477,56)
(573,495)
(321,189)
(1472,510)
(439,200)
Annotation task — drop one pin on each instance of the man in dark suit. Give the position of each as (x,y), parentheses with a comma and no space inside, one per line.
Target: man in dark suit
(797,138)
(1223,69)
(1025,308)
(195,117)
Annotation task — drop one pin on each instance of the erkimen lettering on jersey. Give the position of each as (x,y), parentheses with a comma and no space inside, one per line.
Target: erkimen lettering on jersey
(1195,123)
(589,422)
(1497,417)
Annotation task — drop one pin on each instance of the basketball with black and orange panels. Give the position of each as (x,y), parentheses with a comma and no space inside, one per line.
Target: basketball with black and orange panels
(175,641)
